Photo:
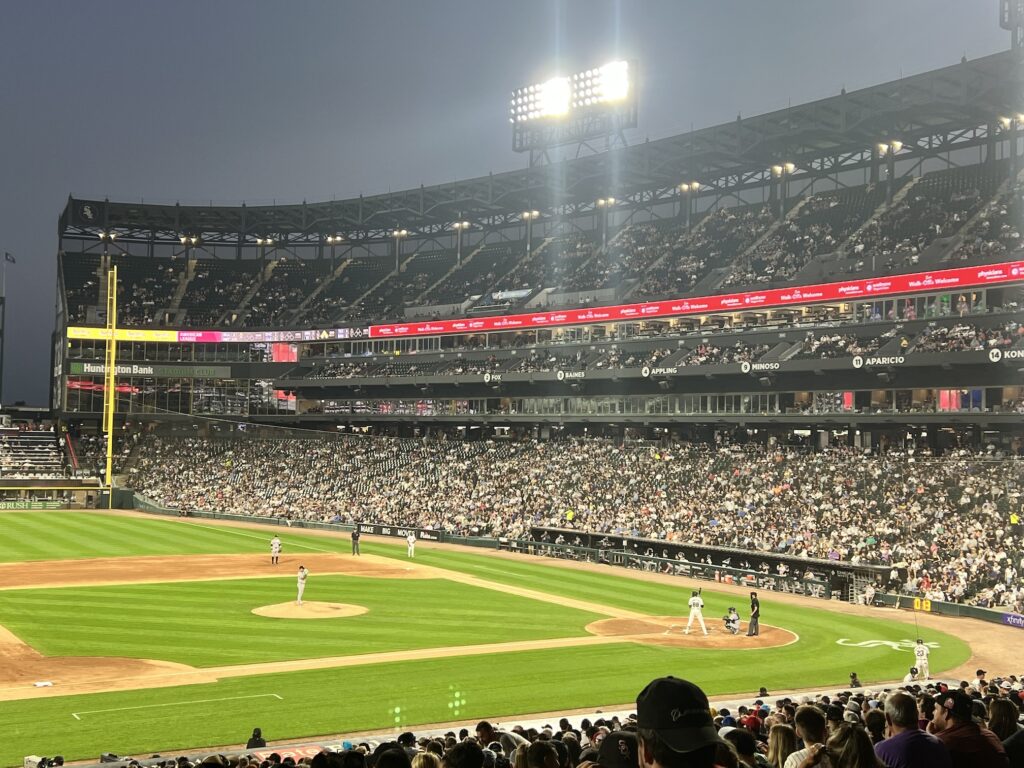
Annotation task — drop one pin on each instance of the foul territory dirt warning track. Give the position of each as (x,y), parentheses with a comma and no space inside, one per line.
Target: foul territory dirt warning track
(22,667)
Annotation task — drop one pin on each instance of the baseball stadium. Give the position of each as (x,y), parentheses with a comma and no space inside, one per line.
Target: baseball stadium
(725,427)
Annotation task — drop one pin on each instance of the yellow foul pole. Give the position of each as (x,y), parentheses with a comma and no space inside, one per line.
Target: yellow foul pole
(110,380)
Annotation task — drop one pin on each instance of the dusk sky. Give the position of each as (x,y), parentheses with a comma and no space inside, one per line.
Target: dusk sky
(230,101)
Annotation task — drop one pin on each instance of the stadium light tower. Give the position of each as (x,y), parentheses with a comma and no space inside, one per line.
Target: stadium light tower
(888,150)
(529,217)
(398,234)
(459,227)
(782,172)
(689,188)
(604,204)
(590,106)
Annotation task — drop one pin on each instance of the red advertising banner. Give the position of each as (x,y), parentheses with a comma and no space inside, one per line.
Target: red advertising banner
(871,288)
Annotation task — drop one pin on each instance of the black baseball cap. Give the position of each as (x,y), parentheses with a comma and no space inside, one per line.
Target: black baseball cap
(618,750)
(678,711)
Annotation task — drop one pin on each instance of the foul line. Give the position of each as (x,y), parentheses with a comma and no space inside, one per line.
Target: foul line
(77,715)
(254,536)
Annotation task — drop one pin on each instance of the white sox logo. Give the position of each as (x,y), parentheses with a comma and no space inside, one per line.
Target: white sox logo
(858,361)
(896,645)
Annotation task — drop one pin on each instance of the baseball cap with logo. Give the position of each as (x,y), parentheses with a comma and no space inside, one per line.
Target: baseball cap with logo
(678,711)
(957,703)
(618,750)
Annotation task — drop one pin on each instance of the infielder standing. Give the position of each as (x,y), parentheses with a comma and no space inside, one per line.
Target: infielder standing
(411,539)
(921,652)
(303,575)
(696,605)
(355,540)
(275,550)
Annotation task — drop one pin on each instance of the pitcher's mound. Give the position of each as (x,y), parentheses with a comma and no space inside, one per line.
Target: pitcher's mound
(309,610)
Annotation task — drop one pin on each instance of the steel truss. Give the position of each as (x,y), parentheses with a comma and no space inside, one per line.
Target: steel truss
(932,114)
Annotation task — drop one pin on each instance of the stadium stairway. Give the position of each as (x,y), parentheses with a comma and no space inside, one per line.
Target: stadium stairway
(742,257)
(479,306)
(628,292)
(455,268)
(898,197)
(179,291)
(373,288)
(231,316)
(321,287)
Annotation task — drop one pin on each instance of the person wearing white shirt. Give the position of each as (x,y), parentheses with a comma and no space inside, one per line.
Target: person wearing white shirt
(411,541)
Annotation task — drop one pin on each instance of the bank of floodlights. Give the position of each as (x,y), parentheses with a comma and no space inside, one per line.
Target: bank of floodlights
(563,96)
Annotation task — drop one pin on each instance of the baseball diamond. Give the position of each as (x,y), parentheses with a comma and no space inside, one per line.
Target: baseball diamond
(182,628)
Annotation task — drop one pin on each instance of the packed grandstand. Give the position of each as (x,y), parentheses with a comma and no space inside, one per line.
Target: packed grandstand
(815,381)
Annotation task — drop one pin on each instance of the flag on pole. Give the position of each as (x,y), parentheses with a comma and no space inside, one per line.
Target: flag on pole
(8,257)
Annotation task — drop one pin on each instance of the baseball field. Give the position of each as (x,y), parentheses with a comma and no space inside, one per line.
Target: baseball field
(139,635)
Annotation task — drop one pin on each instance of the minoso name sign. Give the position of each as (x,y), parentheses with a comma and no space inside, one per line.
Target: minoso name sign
(746,367)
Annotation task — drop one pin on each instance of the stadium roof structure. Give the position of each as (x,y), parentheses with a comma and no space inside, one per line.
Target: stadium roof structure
(970,104)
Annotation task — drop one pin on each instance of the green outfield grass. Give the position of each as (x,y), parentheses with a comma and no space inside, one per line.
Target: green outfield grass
(77,535)
(404,614)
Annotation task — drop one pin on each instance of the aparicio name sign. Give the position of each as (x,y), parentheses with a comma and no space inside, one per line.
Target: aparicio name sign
(154,370)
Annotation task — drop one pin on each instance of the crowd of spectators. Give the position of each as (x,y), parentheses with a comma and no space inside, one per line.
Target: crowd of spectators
(821,224)
(927,724)
(966,337)
(995,233)
(936,207)
(715,242)
(949,520)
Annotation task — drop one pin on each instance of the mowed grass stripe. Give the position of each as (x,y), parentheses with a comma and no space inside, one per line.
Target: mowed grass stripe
(74,535)
(363,698)
(211,623)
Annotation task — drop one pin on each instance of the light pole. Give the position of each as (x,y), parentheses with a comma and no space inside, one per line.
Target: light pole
(398,234)
(688,188)
(333,240)
(605,204)
(107,238)
(263,242)
(529,217)
(782,172)
(459,227)
(888,150)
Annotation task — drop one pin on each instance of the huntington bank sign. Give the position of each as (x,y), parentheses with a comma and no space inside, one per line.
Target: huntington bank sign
(156,371)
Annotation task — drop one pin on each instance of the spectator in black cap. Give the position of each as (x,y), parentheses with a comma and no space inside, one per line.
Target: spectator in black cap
(407,741)
(674,726)
(969,744)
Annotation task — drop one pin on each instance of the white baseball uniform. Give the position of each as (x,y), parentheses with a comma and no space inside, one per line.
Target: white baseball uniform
(696,606)
(411,539)
(921,652)
(303,574)
(275,549)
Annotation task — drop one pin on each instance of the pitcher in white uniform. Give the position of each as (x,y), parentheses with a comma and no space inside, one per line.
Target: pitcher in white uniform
(303,575)
(696,612)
